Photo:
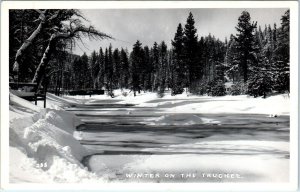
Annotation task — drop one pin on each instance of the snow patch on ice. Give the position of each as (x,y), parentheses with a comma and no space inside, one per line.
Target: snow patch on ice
(180,120)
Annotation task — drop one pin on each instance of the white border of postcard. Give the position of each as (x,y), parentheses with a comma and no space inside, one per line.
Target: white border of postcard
(292,5)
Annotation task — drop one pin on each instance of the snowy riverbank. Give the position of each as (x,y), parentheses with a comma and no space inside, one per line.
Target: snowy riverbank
(183,103)
(43,147)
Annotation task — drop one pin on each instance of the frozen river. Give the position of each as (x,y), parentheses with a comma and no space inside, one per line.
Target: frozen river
(179,147)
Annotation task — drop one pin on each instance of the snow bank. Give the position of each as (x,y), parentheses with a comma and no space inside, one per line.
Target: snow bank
(126,95)
(26,106)
(42,145)
(243,104)
(274,105)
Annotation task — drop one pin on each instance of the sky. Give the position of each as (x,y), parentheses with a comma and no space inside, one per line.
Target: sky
(150,25)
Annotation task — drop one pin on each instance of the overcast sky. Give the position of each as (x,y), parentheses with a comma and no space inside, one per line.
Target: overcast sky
(150,25)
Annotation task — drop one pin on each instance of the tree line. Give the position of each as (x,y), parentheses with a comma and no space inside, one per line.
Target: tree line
(254,62)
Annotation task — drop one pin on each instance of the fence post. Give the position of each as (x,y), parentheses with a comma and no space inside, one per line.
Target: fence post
(45,91)
(35,99)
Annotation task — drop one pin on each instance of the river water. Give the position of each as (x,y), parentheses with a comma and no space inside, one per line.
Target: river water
(126,149)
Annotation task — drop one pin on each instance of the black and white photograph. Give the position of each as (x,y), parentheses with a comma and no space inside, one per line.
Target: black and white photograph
(150,95)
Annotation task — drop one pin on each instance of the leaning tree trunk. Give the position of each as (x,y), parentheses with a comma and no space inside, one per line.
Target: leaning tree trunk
(28,42)
(40,71)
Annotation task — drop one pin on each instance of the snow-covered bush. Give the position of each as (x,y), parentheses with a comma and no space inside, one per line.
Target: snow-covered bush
(124,93)
(282,82)
(111,94)
(217,88)
(238,88)
(213,88)
(200,87)
(176,90)
(160,94)
(259,85)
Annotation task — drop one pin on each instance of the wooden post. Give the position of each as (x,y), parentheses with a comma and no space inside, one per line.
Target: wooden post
(35,99)
(45,100)
(45,91)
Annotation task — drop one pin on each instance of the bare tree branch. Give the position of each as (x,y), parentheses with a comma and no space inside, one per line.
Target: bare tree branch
(90,31)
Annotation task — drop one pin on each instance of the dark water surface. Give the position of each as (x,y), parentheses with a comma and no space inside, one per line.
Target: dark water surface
(119,130)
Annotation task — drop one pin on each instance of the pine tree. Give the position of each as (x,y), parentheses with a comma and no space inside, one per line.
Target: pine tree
(163,59)
(268,46)
(124,72)
(274,46)
(155,65)
(245,39)
(110,71)
(95,68)
(82,72)
(142,72)
(282,55)
(105,68)
(257,53)
(260,81)
(169,69)
(78,84)
(218,83)
(136,63)
(108,66)
(231,63)
(193,69)
(260,36)
(259,84)
(178,63)
(116,68)
(147,69)
(85,70)
(100,76)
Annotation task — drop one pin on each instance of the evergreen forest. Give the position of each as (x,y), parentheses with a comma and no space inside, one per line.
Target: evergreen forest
(254,61)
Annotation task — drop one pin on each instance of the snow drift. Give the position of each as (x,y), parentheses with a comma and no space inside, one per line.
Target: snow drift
(42,145)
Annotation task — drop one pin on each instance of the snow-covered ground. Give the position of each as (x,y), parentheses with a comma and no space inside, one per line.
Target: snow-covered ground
(44,145)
